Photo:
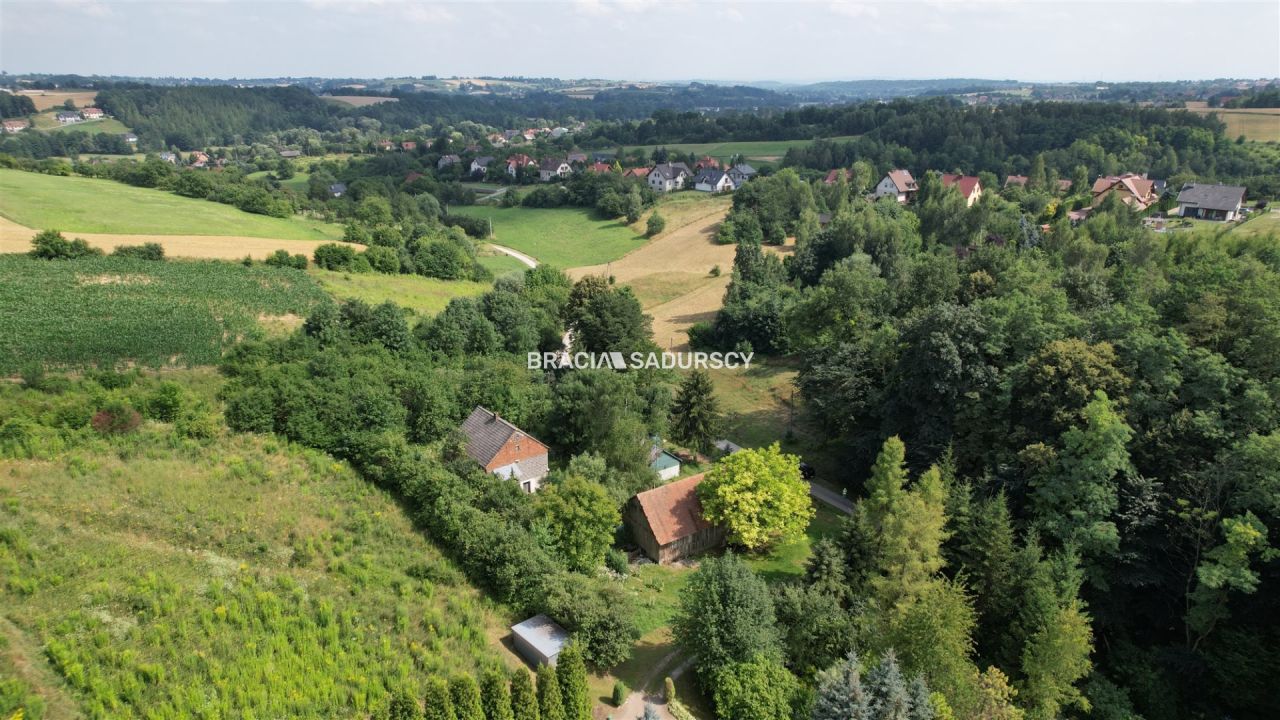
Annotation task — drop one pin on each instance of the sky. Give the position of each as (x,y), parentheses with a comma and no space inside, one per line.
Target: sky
(725,40)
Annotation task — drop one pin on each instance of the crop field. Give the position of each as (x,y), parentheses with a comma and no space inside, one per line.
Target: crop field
(101,311)
(47,99)
(563,237)
(423,295)
(88,205)
(154,576)
(358,100)
(1257,124)
(764,150)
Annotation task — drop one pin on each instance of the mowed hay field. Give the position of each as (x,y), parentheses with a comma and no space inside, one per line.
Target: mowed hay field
(1257,124)
(358,100)
(671,275)
(153,576)
(50,99)
(89,205)
(105,311)
(48,122)
(563,237)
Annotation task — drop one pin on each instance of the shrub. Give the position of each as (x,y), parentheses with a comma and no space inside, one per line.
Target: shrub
(165,402)
(655,225)
(146,251)
(198,423)
(715,271)
(669,689)
(116,418)
(282,258)
(50,245)
(619,693)
(332,256)
(383,259)
(616,560)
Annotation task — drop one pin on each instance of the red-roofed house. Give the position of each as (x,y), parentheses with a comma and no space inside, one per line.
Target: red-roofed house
(637,172)
(969,186)
(517,161)
(384,144)
(408,146)
(15,126)
(92,113)
(897,184)
(706,161)
(1019,180)
(1134,190)
(504,449)
(833,176)
(599,167)
(668,524)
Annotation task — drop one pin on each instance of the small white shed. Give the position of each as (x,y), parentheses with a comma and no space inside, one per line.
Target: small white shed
(539,640)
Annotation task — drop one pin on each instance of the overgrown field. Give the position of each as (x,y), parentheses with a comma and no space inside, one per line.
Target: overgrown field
(751,150)
(78,204)
(563,237)
(423,295)
(160,575)
(100,311)
(1257,124)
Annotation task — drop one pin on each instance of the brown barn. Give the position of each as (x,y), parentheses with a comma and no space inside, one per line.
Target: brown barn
(667,522)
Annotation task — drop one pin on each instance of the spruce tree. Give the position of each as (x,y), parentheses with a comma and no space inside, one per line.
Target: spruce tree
(890,699)
(524,703)
(439,706)
(695,415)
(838,692)
(921,706)
(550,702)
(571,673)
(466,698)
(495,695)
(403,707)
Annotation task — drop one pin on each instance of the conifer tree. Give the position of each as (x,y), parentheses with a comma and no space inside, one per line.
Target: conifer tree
(466,698)
(439,706)
(838,692)
(571,673)
(524,703)
(695,415)
(495,695)
(550,702)
(403,707)
(890,698)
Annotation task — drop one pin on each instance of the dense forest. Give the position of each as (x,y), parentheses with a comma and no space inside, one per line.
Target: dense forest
(1104,399)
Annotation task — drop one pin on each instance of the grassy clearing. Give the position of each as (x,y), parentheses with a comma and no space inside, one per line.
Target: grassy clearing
(108,126)
(297,183)
(78,204)
(1267,223)
(563,237)
(754,150)
(424,296)
(501,263)
(154,576)
(107,310)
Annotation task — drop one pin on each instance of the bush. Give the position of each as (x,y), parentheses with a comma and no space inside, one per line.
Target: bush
(669,689)
(165,402)
(655,225)
(198,423)
(383,259)
(282,258)
(715,271)
(332,256)
(146,251)
(619,693)
(116,418)
(616,560)
(50,245)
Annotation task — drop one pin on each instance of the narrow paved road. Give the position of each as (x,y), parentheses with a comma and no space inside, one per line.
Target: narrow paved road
(515,254)
(831,497)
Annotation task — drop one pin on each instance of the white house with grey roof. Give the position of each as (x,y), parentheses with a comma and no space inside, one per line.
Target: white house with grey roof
(668,176)
(713,180)
(1210,202)
(741,173)
(504,449)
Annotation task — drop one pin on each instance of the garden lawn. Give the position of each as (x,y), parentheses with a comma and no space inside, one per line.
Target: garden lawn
(562,237)
(79,204)
(423,295)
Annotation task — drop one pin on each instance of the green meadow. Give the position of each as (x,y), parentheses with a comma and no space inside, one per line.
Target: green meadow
(764,150)
(563,237)
(423,295)
(90,205)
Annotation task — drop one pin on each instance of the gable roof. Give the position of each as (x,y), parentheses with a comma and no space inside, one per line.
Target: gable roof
(902,180)
(1137,185)
(674,511)
(710,176)
(1211,197)
(552,164)
(742,169)
(637,172)
(670,170)
(482,161)
(833,176)
(967,184)
(1019,180)
(487,432)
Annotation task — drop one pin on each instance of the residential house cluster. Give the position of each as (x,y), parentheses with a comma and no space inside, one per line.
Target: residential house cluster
(70,117)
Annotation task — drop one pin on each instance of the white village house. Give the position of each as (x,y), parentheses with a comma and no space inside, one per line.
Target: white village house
(553,169)
(669,176)
(1210,202)
(897,184)
(713,180)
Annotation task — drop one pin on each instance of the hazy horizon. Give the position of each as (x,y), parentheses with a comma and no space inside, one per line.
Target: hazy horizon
(646,40)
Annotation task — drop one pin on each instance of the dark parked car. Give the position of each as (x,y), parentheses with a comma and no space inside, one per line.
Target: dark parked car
(806,471)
